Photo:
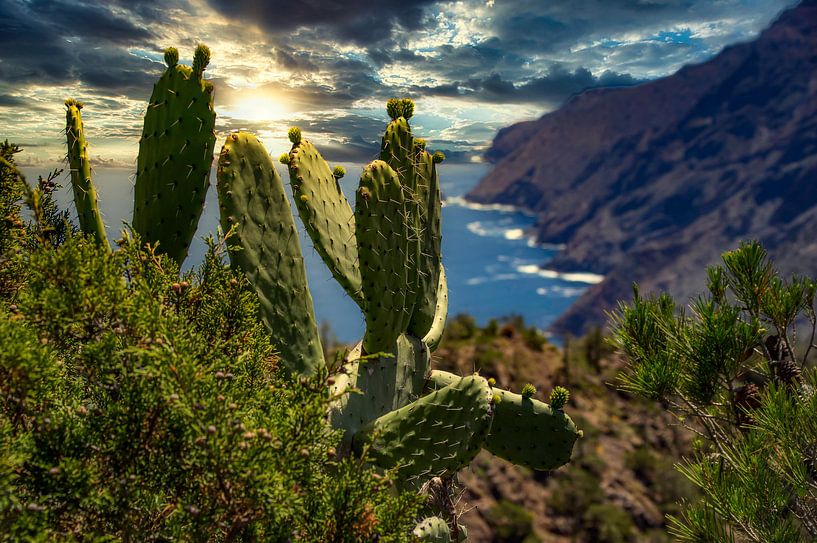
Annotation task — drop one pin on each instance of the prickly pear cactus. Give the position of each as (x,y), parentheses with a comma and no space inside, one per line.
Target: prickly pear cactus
(252,200)
(175,154)
(386,254)
(85,198)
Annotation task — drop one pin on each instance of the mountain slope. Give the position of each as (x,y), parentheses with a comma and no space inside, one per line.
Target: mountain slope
(652,183)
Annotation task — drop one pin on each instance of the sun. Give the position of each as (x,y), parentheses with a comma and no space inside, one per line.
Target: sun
(254,106)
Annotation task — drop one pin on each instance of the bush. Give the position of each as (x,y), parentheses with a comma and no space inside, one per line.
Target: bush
(138,405)
(604,523)
(511,523)
(731,371)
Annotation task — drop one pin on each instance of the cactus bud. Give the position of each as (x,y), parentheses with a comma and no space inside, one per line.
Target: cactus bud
(394,108)
(407,108)
(559,397)
(496,399)
(294,135)
(339,172)
(491,382)
(76,103)
(171,56)
(201,58)
(420,142)
(284,158)
(304,198)
(438,157)
(528,390)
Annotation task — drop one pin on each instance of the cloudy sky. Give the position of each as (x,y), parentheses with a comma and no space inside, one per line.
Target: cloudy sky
(328,66)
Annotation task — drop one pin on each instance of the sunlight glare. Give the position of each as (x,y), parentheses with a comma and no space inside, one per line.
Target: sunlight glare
(258,107)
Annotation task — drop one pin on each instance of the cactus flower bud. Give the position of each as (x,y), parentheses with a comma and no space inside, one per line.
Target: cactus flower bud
(171,56)
(294,135)
(528,390)
(559,397)
(201,58)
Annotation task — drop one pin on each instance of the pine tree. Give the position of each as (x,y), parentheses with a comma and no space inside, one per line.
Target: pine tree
(732,368)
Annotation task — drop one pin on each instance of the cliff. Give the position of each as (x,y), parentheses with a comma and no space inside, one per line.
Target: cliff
(652,183)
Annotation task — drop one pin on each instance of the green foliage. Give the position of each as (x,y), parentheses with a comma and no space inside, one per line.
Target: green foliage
(12,229)
(730,370)
(606,523)
(138,405)
(461,327)
(511,523)
(574,493)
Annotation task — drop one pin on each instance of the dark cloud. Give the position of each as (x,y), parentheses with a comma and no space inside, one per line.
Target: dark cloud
(355,21)
(57,43)
(8,100)
(553,88)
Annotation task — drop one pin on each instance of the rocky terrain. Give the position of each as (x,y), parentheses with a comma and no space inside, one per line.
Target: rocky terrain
(652,183)
(620,483)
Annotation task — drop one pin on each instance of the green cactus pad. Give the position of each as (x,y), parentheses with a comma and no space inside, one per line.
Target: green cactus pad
(432,530)
(387,257)
(433,436)
(429,263)
(267,250)
(326,215)
(85,197)
(175,155)
(525,431)
(385,383)
(435,333)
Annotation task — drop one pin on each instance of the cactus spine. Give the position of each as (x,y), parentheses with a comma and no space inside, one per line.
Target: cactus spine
(85,198)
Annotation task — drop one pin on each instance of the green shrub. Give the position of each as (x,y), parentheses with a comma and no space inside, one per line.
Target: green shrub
(141,406)
(730,370)
(605,523)
(511,523)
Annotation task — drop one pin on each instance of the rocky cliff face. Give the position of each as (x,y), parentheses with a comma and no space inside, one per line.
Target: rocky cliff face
(652,183)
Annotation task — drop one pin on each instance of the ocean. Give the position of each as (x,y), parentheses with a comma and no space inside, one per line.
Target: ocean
(494,269)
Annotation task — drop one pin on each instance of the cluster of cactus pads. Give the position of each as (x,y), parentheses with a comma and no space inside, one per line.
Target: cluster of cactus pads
(420,423)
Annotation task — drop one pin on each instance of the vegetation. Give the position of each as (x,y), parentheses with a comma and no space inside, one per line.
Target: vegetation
(733,369)
(138,405)
(385,254)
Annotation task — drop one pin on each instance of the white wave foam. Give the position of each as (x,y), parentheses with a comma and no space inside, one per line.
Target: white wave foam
(577,277)
(473,281)
(515,233)
(502,208)
(566,292)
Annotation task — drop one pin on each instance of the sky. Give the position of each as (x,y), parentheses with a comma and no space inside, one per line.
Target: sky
(328,66)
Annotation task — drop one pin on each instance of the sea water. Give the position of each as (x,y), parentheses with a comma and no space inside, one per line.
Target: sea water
(494,269)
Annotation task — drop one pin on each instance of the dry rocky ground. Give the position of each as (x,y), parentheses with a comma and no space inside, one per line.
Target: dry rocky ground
(620,484)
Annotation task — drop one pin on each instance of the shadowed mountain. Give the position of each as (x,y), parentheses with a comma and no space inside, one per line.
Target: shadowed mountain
(652,183)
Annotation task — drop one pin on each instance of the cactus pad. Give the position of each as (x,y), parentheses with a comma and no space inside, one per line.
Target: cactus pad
(387,268)
(175,154)
(525,431)
(435,435)
(85,198)
(267,249)
(435,333)
(432,530)
(326,215)
(528,432)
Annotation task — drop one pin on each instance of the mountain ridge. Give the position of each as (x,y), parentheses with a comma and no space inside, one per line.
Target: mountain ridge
(652,183)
